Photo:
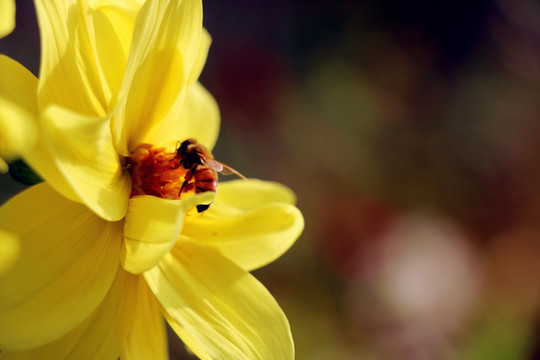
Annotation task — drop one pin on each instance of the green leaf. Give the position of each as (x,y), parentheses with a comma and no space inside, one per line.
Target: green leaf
(23,173)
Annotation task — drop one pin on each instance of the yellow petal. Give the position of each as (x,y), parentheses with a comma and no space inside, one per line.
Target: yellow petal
(224,310)
(103,334)
(18,89)
(10,249)
(244,194)
(190,342)
(113,23)
(17,132)
(147,337)
(18,85)
(7,17)
(82,149)
(251,222)
(70,75)
(199,119)
(68,261)
(18,108)
(152,227)
(165,46)
(199,116)
(202,54)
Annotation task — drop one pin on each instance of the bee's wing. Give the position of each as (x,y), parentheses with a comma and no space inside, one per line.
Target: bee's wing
(227,170)
(222,168)
(213,164)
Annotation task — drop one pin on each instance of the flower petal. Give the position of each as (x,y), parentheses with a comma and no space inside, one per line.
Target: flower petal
(16,129)
(68,261)
(18,85)
(147,337)
(223,309)
(113,22)
(103,334)
(152,227)
(246,195)
(70,75)
(82,149)
(199,119)
(10,249)
(18,89)
(165,46)
(18,107)
(200,60)
(251,222)
(7,17)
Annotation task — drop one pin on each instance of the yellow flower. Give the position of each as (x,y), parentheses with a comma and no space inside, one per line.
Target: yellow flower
(7,17)
(100,268)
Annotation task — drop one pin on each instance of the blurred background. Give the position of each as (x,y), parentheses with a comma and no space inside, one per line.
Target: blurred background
(409,131)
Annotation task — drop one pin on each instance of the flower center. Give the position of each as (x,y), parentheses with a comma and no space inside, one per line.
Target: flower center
(156,172)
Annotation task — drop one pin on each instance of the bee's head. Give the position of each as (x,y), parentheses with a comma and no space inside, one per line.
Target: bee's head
(182,150)
(190,153)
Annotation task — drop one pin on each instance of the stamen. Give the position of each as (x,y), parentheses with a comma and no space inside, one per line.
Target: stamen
(156,172)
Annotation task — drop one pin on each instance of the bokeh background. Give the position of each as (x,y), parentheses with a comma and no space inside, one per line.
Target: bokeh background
(409,131)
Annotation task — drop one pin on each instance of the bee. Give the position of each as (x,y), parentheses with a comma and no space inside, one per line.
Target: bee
(202,168)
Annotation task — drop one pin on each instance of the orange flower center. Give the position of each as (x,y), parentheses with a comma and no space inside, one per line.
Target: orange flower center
(156,172)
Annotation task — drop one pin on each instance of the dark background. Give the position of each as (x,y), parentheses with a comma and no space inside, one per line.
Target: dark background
(409,131)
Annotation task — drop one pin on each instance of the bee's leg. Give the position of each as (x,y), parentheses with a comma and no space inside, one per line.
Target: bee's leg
(189,187)
(187,179)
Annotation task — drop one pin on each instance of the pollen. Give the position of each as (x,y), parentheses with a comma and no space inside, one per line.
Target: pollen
(156,172)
